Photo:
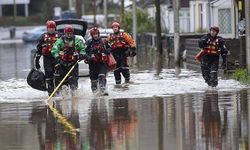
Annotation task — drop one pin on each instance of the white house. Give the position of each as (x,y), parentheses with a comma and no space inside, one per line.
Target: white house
(207,13)
(167,17)
(18,2)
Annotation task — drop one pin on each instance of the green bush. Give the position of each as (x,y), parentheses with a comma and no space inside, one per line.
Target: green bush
(241,75)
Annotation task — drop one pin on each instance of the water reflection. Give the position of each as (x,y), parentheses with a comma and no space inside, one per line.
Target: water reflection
(200,121)
(58,126)
(211,121)
(111,130)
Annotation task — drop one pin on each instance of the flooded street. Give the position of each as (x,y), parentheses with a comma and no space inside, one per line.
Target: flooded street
(155,113)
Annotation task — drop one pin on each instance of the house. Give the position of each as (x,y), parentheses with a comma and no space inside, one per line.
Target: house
(167,14)
(25,3)
(221,13)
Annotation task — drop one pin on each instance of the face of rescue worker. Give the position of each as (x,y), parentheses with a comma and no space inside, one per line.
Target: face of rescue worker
(115,29)
(69,35)
(213,33)
(51,30)
(95,36)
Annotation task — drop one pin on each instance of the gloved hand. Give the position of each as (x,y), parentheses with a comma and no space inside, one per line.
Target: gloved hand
(90,60)
(76,56)
(107,51)
(37,63)
(132,52)
(58,62)
(87,59)
(81,57)
(95,50)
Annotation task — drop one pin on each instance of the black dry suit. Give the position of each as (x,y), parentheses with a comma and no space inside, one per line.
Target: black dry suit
(213,47)
(44,48)
(96,54)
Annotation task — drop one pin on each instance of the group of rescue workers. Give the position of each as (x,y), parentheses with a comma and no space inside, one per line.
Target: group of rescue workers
(62,52)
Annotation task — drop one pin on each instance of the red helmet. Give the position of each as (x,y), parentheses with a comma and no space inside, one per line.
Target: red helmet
(215,29)
(51,24)
(68,29)
(94,31)
(115,24)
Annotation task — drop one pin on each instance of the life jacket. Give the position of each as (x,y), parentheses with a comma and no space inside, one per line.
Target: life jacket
(49,40)
(212,46)
(96,49)
(68,53)
(117,41)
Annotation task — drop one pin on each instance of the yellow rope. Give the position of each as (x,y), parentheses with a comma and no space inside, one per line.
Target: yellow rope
(61,119)
(59,85)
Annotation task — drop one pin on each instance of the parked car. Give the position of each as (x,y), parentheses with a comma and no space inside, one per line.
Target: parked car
(80,28)
(34,34)
(67,14)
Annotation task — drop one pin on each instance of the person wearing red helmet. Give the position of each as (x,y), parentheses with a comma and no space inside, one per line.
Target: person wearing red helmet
(96,53)
(212,47)
(44,48)
(123,46)
(67,51)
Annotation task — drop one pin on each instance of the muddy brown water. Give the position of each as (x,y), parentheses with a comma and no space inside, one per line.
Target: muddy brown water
(209,120)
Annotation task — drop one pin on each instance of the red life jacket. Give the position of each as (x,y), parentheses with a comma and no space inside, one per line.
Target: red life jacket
(117,41)
(68,54)
(212,47)
(97,47)
(49,40)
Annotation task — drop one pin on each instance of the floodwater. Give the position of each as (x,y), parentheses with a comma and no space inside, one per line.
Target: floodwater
(154,113)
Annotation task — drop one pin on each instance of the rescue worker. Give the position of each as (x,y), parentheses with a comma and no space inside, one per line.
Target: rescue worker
(212,46)
(44,48)
(96,53)
(67,50)
(123,46)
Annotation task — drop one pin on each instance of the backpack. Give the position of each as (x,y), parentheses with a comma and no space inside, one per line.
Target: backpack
(36,79)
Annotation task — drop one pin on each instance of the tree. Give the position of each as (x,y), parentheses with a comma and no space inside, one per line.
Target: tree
(144,24)
(158,35)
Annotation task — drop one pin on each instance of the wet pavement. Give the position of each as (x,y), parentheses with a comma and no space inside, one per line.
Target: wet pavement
(155,113)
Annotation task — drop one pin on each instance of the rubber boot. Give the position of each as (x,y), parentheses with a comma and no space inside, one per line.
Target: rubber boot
(102,83)
(73,83)
(94,86)
(50,86)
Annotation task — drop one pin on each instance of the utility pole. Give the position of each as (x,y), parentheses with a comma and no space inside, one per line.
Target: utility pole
(247,14)
(176,37)
(70,4)
(94,11)
(158,36)
(105,13)
(15,13)
(134,27)
(134,20)
(122,10)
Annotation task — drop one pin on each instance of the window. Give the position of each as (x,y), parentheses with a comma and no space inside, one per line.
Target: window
(224,17)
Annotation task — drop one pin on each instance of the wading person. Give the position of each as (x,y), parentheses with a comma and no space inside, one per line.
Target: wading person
(67,50)
(44,48)
(212,47)
(123,46)
(96,56)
